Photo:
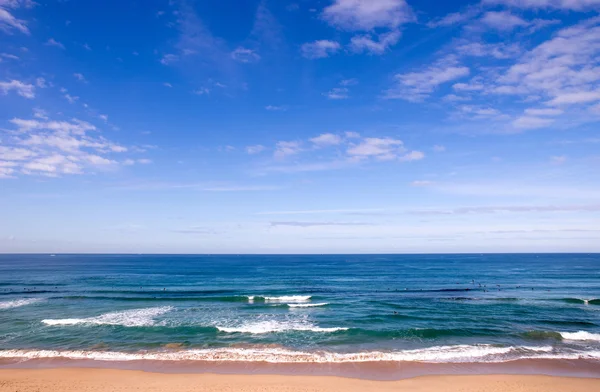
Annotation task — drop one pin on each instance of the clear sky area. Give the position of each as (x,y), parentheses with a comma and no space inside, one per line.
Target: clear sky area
(299,126)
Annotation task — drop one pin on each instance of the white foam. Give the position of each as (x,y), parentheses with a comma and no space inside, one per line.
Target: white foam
(263,327)
(307,305)
(443,354)
(126,318)
(581,335)
(289,298)
(19,302)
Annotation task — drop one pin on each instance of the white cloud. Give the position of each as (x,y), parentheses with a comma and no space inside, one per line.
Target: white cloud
(575,98)
(478,112)
(439,148)
(366,15)
(15,153)
(103,117)
(244,55)
(352,135)
(8,22)
(23,89)
(337,93)
(575,5)
(349,82)
(53,148)
(71,98)
(53,42)
(274,108)
(421,183)
(498,51)
(455,18)
(378,148)
(365,43)
(168,85)
(285,149)
(455,98)
(8,56)
(144,161)
(169,58)
(559,160)
(563,68)
(40,113)
(41,83)
(80,77)
(319,49)
(412,156)
(544,112)
(532,122)
(416,86)
(256,149)
(202,91)
(326,139)
(502,20)
(468,87)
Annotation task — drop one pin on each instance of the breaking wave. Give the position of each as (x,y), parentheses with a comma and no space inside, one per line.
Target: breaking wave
(126,318)
(19,302)
(438,354)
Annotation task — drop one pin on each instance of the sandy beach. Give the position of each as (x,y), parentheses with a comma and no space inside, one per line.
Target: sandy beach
(75,380)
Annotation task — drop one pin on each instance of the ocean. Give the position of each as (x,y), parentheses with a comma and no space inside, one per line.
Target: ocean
(359,309)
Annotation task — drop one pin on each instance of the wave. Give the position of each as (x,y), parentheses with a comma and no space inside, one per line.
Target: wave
(19,302)
(263,327)
(126,318)
(307,305)
(438,354)
(288,298)
(581,335)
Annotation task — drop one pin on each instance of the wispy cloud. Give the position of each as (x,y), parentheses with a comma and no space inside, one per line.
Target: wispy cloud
(23,89)
(318,224)
(245,55)
(417,86)
(8,22)
(366,15)
(53,42)
(319,49)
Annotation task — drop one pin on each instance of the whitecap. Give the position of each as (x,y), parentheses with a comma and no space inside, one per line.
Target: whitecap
(581,335)
(289,298)
(127,318)
(19,302)
(307,305)
(263,327)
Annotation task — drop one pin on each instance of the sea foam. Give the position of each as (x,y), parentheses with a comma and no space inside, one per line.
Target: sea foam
(438,354)
(307,305)
(126,318)
(581,335)
(289,298)
(19,302)
(272,326)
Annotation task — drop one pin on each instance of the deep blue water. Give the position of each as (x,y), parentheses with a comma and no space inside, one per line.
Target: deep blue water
(437,308)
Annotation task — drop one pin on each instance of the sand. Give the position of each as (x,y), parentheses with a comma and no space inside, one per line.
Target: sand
(71,380)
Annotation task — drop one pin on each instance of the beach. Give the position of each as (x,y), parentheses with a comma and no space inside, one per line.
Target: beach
(83,380)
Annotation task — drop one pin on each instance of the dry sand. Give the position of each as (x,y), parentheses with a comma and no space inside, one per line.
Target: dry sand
(105,380)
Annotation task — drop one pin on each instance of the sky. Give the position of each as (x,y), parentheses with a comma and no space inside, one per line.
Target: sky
(299,126)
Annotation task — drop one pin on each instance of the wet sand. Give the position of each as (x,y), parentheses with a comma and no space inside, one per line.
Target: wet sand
(76,380)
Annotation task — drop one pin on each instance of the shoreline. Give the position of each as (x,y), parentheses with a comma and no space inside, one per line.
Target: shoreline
(83,380)
(373,371)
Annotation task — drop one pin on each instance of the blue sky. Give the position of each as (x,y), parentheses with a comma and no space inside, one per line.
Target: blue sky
(300,126)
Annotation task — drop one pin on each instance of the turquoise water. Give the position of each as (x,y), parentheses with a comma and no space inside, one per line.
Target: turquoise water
(345,308)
